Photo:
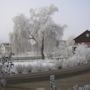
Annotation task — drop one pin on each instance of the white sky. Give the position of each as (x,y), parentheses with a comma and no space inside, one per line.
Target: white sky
(74,13)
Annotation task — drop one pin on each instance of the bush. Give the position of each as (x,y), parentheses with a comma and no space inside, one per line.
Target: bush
(20,68)
(27,69)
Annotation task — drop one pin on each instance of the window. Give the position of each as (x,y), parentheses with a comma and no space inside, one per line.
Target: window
(87,35)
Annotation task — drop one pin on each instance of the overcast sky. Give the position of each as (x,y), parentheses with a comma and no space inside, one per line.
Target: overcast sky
(74,13)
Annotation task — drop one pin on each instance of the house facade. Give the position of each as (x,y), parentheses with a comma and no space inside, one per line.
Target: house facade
(5,48)
(83,38)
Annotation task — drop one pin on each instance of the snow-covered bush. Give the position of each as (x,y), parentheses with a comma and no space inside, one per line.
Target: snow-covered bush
(36,66)
(20,68)
(81,56)
(58,64)
(82,53)
(64,50)
(42,66)
(28,68)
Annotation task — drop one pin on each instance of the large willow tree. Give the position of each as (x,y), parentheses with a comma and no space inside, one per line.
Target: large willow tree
(38,28)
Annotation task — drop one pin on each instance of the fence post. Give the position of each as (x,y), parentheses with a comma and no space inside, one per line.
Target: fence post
(52,82)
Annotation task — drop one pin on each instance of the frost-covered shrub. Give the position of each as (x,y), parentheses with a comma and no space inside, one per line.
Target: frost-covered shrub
(51,66)
(81,50)
(20,68)
(65,50)
(82,53)
(28,68)
(44,66)
(74,61)
(58,64)
(70,62)
(36,66)
(81,56)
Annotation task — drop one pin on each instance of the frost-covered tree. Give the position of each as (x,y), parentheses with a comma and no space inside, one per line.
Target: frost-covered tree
(21,27)
(43,27)
(39,29)
(64,50)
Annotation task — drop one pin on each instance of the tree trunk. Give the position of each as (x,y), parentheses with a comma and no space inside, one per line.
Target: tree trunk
(42,48)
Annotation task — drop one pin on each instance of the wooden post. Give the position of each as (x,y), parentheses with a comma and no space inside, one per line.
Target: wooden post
(52,82)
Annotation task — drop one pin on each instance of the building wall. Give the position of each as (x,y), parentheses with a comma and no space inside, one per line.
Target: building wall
(5,49)
(83,38)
